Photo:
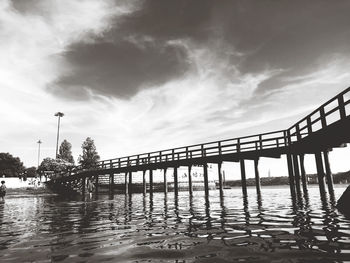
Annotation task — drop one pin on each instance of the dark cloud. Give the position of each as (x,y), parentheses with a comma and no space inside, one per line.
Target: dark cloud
(120,69)
(135,53)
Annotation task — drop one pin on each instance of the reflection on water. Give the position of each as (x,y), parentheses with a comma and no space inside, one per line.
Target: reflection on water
(160,228)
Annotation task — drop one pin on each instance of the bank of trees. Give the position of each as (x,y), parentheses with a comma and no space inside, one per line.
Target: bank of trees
(11,166)
(65,161)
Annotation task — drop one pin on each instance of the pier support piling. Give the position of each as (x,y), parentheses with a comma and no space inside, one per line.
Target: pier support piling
(151,181)
(221,185)
(291,176)
(126,183)
(243,178)
(130,182)
(111,181)
(190,187)
(206,181)
(176,189)
(329,177)
(165,182)
(257,177)
(303,174)
(320,175)
(297,174)
(144,184)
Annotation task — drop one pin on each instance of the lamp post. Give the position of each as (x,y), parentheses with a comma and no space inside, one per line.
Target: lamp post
(59,115)
(39,142)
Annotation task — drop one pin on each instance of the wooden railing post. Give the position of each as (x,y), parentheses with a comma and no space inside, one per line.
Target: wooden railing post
(260,142)
(323,118)
(341,103)
(309,125)
(219,147)
(297,130)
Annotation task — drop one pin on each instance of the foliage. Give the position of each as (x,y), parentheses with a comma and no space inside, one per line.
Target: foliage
(10,166)
(90,156)
(31,172)
(55,165)
(65,152)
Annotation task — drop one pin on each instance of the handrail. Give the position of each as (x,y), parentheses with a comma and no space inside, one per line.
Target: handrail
(323,114)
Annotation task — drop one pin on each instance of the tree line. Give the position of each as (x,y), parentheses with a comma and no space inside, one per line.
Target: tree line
(11,166)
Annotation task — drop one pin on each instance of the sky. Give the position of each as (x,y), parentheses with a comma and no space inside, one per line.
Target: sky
(140,75)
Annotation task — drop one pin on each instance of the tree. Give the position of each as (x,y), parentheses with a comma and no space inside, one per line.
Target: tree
(10,166)
(31,172)
(90,156)
(54,165)
(65,152)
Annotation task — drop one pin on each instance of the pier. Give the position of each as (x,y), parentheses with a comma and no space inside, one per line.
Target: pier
(325,128)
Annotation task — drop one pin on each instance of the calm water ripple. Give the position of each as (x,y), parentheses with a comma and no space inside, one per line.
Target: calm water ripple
(159,228)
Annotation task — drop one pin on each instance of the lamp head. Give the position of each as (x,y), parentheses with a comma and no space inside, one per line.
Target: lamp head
(59,114)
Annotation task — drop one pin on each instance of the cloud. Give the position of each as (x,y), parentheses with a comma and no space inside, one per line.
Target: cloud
(120,69)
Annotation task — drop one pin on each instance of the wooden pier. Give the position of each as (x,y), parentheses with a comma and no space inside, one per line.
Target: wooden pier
(325,128)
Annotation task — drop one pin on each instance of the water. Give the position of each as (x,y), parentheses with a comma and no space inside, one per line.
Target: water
(117,228)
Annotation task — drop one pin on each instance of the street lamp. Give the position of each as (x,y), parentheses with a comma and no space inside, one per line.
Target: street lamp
(39,142)
(59,115)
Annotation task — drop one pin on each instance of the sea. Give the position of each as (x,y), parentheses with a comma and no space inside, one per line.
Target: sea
(158,227)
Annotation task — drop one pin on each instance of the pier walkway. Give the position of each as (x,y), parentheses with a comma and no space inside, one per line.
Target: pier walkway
(325,128)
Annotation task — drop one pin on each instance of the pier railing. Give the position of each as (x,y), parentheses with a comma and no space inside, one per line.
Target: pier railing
(335,109)
(258,142)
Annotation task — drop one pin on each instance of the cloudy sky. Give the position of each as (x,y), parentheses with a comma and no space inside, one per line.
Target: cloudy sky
(139,76)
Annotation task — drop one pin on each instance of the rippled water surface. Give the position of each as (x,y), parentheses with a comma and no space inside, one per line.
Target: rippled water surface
(158,228)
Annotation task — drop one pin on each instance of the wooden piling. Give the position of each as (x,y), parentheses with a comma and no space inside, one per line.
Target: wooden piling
(291,176)
(111,181)
(130,182)
(221,185)
(144,184)
(243,178)
(296,174)
(257,177)
(303,174)
(165,182)
(176,189)
(329,177)
(190,186)
(206,181)
(320,174)
(126,183)
(151,181)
